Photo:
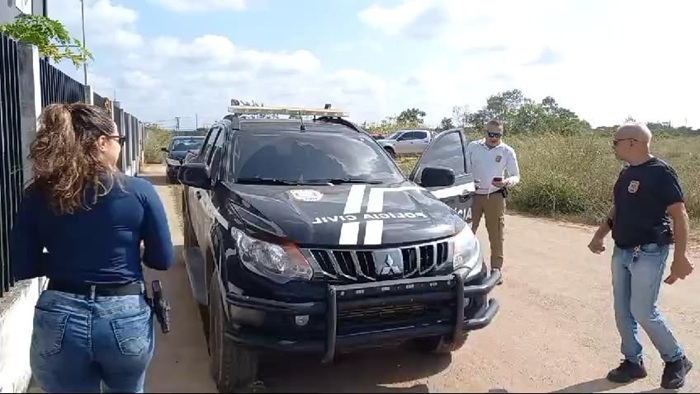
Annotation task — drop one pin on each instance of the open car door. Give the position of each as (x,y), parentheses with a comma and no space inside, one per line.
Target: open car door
(448,150)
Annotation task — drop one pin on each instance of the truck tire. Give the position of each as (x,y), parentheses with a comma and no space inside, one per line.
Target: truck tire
(233,367)
(391,152)
(441,344)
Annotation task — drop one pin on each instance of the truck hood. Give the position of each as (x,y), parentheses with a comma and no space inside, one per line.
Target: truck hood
(345,215)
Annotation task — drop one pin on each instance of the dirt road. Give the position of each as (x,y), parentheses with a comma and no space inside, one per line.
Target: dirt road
(555,331)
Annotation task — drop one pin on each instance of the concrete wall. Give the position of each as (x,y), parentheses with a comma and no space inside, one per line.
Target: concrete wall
(16,315)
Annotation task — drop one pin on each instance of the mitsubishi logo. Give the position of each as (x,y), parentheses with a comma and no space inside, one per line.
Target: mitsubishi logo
(390,268)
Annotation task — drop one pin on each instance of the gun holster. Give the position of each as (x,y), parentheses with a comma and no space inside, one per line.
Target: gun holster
(664,234)
(160,306)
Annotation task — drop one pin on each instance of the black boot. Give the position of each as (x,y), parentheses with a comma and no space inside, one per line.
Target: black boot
(627,372)
(674,374)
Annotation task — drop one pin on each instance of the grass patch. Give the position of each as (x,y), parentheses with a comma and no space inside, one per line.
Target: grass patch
(176,191)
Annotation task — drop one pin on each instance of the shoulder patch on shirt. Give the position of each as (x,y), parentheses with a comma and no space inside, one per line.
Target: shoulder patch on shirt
(499,158)
(633,186)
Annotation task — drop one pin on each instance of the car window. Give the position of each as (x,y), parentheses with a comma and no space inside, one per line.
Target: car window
(414,135)
(186,144)
(394,135)
(296,157)
(208,142)
(216,151)
(446,151)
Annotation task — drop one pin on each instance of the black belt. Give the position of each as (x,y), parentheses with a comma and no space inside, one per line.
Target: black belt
(103,290)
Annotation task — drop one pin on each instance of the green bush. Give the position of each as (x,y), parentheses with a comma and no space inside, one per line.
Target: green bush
(156,140)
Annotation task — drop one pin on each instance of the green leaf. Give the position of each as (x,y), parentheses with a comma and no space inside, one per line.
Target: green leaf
(50,36)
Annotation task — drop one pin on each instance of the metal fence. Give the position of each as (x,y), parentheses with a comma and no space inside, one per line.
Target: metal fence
(56,87)
(10,153)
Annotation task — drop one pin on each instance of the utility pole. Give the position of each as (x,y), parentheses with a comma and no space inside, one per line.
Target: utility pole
(82,17)
(177,123)
(196,122)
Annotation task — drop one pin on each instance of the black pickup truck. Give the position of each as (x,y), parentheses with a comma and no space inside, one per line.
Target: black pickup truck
(304,236)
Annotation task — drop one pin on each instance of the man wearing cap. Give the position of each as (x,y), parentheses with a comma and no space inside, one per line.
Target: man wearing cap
(646,193)
(490,159)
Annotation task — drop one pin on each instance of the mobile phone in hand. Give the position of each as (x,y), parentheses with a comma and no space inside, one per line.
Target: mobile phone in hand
(498,179)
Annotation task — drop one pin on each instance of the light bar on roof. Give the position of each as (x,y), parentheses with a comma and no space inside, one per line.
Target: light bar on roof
(300,111)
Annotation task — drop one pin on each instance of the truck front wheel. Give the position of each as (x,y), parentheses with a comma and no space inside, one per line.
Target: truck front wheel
(233,367)
(441,344)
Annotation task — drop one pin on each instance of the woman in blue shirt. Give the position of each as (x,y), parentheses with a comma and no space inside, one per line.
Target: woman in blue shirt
(81,224)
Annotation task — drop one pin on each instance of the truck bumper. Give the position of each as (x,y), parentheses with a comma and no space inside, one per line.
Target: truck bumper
(326,327)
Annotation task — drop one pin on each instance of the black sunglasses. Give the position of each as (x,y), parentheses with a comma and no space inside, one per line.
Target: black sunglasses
(495,135)
(120,138)
(623,139)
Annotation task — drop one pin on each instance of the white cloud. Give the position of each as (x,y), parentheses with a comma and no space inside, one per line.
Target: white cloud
(164,77)
(106,24)
(605,60)
(595,60)
(201,5)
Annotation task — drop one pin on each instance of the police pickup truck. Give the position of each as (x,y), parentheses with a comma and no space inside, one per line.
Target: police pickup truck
(303,236)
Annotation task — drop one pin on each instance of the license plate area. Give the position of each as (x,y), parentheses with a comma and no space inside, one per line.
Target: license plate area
(362,308)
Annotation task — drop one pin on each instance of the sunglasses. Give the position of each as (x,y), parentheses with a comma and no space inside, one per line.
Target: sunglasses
(623,139)
(495,135)
(120,138)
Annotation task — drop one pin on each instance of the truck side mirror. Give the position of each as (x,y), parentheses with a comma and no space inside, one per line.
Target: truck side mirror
(437,177)
(195,175)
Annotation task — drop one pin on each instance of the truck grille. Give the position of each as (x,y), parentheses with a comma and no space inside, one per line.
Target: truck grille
(361,265)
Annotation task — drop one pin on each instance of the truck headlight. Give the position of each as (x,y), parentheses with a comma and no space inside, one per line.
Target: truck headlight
(172,162)
(279,263)
(467,252)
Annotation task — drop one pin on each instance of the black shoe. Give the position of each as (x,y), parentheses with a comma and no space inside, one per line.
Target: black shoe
(674,374)
(627,372)
(500,281)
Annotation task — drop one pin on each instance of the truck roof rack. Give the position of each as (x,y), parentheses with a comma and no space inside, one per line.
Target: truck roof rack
(298,111)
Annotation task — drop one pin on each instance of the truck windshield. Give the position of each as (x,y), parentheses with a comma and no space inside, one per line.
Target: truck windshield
(186,144)
(294,157)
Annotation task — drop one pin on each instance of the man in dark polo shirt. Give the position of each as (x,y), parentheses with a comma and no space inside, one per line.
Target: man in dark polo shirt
(646,193)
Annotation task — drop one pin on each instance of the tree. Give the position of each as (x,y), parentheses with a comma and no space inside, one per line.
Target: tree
(50,36)
(445,124)
(521,114)
(411,116)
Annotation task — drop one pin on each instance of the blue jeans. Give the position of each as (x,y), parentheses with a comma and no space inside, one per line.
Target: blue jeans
(91,344)
(635,291)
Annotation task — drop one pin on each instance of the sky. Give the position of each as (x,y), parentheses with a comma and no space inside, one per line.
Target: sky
(605,60)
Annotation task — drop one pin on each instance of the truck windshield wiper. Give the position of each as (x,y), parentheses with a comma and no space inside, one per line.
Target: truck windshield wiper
(338,181)
(266,181)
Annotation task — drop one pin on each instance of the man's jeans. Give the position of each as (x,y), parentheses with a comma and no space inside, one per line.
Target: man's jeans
(85,343)
(636,290)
